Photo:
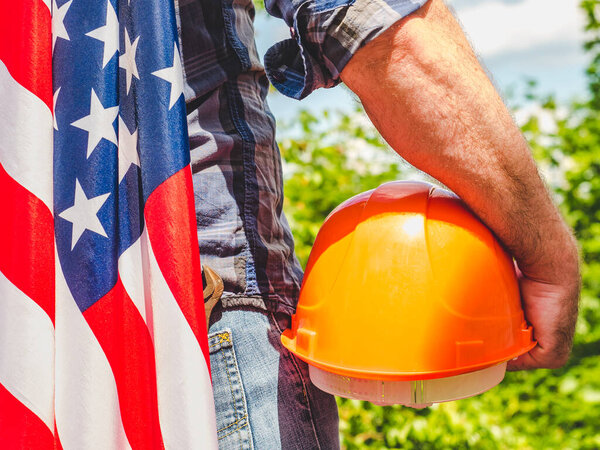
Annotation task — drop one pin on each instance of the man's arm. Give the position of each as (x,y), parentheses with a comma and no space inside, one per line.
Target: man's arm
(425,91)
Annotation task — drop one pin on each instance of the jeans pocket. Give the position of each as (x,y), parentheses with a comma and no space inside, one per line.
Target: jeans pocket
(233,429)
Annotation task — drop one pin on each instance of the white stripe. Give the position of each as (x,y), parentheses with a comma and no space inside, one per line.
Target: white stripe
(26,351)
(131,271)
(185,400)
(25,137)
(87,404)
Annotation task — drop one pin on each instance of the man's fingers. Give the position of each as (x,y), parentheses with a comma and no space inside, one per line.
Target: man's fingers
(523,362)
(539,358)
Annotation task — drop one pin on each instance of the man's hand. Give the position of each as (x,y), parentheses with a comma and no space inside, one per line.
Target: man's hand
(425,91)
(552,311)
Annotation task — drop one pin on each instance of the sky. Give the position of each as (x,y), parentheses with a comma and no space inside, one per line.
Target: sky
(514,39)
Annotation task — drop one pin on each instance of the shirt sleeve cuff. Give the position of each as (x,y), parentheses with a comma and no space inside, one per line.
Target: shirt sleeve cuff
(324,39)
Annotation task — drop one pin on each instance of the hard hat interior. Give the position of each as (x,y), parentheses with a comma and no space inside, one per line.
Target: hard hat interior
(416,393)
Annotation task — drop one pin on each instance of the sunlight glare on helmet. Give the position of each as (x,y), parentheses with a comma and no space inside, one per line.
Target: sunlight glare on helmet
(413,225)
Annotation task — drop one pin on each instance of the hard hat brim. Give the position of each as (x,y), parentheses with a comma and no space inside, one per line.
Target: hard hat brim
(289,342)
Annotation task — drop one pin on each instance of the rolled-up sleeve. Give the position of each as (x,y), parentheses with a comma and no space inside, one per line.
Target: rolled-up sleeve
(325,35)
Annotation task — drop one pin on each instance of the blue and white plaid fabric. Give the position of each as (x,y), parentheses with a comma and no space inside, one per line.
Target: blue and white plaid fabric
(242,231)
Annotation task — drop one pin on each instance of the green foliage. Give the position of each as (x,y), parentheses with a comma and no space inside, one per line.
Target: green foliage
(336,156)
(259,5)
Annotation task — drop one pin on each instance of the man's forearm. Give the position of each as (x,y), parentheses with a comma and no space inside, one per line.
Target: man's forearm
(425,91)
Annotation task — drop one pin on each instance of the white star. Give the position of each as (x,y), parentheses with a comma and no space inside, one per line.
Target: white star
(128,154)
(173,75)
(98,124)
(54,100)
(127,59)
(109,34)
(84,214)
(58,22)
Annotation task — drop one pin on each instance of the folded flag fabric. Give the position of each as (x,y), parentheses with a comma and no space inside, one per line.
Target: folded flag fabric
(102,330)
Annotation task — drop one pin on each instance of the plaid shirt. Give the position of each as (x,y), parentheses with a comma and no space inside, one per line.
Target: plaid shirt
(236,165)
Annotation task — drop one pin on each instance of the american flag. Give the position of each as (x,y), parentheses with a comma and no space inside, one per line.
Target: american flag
(102,330)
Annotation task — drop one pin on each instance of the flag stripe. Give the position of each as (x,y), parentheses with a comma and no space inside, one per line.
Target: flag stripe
(165,219)
(27,352)
(87,404)
(25,138)
(57,443)
(25,45)
(26,228)
(129,350)
(133,272)
(27,243)
(184,385)
(19,427)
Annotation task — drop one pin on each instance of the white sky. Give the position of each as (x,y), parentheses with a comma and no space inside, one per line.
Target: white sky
(496,27)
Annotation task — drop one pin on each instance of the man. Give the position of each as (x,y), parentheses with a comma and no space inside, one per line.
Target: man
(422,86)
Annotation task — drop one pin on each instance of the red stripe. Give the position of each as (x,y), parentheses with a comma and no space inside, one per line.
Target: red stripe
(124,337)
(26,45)
(171,225)
(27,243)
(57,444)
(19,427)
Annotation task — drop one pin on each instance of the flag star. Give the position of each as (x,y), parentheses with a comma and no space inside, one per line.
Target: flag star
(54,100)
(128,154)
(58,21)
(98,124)
(109,34)
(84,214)
(127,59)
(173,75)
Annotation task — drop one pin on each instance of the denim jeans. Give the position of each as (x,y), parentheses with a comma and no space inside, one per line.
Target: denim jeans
(263,396)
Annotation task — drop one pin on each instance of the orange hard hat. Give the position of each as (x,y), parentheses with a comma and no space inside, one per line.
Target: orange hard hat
(407,298)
